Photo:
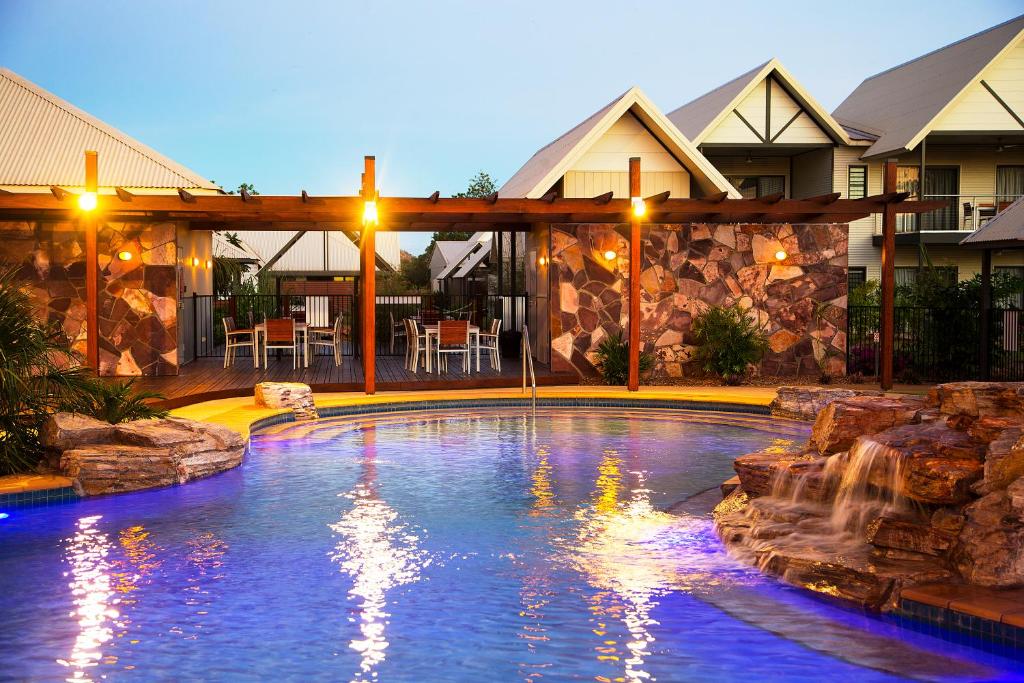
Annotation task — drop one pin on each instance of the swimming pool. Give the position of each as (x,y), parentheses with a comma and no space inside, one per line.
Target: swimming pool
(478,545)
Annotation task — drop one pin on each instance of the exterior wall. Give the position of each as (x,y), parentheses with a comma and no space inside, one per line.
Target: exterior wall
(978,110)
(862,252)
(754,107)
(737,166)
(812,173)
(194,244)
(800,303)
(137,303)
(592,183)
(538,288)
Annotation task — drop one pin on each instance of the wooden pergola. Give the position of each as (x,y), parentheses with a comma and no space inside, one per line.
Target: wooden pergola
(434,213)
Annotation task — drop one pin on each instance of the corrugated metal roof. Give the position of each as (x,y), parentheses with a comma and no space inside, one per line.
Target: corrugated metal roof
(699,117)
(310,254)
(904,101)
(551,162)
(479,240)
(43,139)
(449,249)
(1007,226)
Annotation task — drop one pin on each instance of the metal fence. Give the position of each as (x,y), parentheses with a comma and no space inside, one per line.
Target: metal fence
(203,316)
(938,344)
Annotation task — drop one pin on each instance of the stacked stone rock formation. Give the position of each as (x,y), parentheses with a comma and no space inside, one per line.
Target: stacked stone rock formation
(799,302)
(104,458)
(804,403)
(294,395)
(940,480)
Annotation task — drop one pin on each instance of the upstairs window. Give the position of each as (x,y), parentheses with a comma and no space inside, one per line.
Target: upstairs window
(858,182)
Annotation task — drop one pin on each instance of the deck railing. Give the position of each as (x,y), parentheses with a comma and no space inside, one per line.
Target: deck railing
(965,212)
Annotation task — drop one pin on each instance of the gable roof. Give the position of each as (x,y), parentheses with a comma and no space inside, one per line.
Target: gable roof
(472,251)
(551,162)
(902,104)
(1006,228)
(449,249)
(699,117)
(43,138)
(316,251)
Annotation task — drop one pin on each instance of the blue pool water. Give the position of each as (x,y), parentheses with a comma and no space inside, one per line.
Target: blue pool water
(478,546)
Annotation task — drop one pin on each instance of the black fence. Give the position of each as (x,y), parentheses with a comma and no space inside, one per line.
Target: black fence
(938,344)
(203,316)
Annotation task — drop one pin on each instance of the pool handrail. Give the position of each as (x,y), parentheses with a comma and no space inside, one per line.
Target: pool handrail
(528,362)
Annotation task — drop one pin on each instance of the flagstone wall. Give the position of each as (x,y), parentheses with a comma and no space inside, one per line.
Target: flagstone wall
(799,302)
(137,298)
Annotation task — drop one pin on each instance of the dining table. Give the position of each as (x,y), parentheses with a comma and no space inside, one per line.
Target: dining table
(432,331)
(301,329)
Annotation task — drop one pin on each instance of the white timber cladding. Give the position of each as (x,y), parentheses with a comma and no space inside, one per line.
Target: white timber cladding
(738,166)
(862,254)
(812,173)
(977,109)
(604,167)
(754,110)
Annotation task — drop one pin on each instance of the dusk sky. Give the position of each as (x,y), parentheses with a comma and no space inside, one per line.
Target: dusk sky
(290,96)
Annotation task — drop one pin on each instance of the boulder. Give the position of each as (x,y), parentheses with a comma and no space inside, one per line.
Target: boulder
(804,403)
(62,431)
(294,395)
(990,551)
(115,468)
(1004,461)
(761,471)
(910,535)
(843,420)
(978,399)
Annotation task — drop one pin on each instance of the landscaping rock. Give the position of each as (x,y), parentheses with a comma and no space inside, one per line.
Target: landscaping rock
(991,548)
(804,403)
(910,536)
(69,430)
(294,395)
(843,420)
(759,471)
(115,468)
(1004,461)
(976,399)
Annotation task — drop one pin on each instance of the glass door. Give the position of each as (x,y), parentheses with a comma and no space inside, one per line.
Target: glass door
(943,184)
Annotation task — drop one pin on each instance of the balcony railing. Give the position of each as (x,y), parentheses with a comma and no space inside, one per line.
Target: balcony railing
(965,212)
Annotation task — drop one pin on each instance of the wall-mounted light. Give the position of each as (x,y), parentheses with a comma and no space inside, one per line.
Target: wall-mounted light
(87,201)
(209,263)
(541,261)
(610,255)
(639,207)
(781,255)
(195,261)
(370,213)
(124,255)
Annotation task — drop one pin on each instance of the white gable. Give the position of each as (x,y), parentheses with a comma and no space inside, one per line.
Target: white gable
(627,138)
(977,109)
(753,109)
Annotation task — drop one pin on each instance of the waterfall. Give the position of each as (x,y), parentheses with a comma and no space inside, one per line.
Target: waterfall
(870,486)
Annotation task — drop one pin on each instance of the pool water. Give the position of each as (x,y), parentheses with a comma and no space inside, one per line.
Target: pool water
(478,546)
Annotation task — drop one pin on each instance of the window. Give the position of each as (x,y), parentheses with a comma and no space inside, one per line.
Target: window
(858,185)
(755,186)
(906,276)
(1009,183)
(856,277)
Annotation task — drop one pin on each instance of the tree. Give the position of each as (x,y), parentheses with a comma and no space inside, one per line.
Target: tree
(416,270)
(480,185)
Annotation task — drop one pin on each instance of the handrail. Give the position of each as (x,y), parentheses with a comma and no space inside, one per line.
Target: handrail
(528,362)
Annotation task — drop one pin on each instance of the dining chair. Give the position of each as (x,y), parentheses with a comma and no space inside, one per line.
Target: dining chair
(416,346)
(281,334)
(329,337)
(453,338)
(430,316)
(489,342)
(235,338)
(398,330)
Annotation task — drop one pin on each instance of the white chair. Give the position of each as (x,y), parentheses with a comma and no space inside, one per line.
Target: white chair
(489,343)
(281,334)
(398,331)
(453,338)
(417,345)
(235,338)
(329,337)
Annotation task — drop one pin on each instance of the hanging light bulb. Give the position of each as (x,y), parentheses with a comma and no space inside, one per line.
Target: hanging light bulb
(87,201)
(639,207)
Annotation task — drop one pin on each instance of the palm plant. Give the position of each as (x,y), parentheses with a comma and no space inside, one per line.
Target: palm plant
(728,342)
(613,359)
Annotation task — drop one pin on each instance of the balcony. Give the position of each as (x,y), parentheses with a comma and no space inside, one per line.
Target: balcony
(964,214)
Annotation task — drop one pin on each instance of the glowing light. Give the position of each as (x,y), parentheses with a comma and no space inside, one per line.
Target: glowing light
(124,255)
(4,515)
(209,264)
(781,255)
(370,213)
(195,261)
(87,201)
(639,207)
(610,255)
(541,261)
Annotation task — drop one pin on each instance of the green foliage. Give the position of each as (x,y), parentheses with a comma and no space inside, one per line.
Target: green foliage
(416,271)
(613,360)
(728,342)
(118,401)
(41,375)
(480,185)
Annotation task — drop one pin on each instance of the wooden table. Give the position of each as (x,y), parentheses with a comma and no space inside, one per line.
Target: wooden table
(474,335)
(301,329)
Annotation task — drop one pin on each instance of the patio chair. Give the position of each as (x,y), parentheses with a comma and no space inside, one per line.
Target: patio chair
(329,337)
(281,334)
(416,346)
(968,215)
(453,338)
(489,343)
(430,316)
(398,331)
(235,338)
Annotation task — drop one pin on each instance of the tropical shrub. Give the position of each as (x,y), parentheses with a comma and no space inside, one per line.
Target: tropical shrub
(728,342)
(41,375)
(613,360)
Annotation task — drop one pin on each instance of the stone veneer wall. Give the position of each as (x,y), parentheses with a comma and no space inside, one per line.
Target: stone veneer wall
(137,298)
(799,303)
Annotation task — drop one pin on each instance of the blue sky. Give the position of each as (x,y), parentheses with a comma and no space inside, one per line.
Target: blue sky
(290,96)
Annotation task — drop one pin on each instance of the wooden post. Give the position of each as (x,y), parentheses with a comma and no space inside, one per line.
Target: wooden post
(985,339)
(888,290)
(367,276)
(633,383)
(92,276)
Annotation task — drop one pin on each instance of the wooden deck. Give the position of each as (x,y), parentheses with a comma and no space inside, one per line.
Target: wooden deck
(206,378)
